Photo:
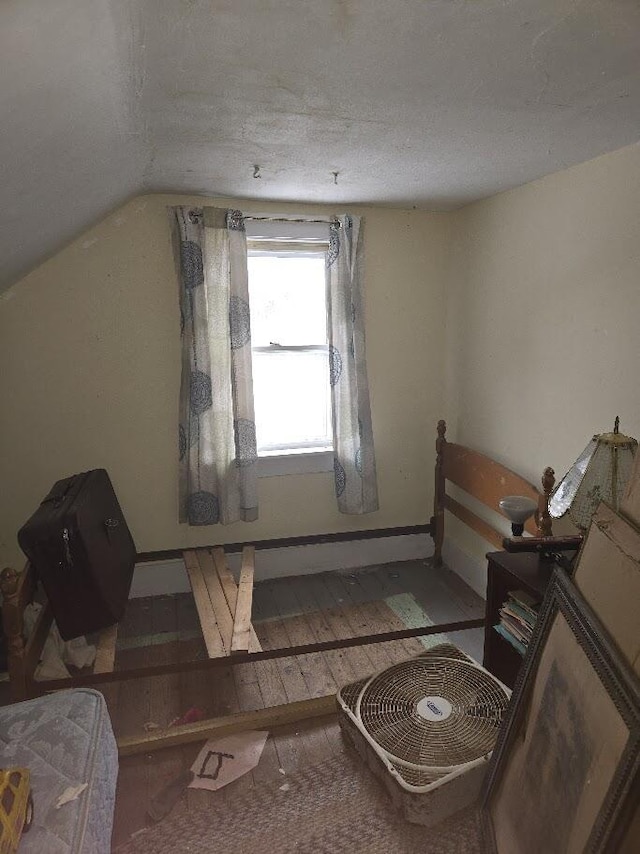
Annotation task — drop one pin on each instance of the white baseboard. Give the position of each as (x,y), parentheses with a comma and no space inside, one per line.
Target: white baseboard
(169,576)
(470,569)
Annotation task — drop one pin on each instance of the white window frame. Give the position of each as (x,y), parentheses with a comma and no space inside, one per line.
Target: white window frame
(290,238)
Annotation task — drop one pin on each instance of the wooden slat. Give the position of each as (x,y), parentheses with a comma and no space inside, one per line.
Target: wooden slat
(210,630)
(225,575)
(485,479)
(239,722)
(106,650)
(242,617)
(219,604)
(475,522)
(230,589)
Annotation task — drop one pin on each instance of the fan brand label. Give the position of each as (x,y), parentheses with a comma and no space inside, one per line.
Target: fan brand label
(434,708)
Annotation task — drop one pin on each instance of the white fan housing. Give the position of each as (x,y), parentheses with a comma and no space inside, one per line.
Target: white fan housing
(426,727)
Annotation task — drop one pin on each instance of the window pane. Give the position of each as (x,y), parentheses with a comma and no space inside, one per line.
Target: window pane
(287,296)
(291,398)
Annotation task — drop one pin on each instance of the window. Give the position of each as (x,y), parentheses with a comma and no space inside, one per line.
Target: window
(287,295)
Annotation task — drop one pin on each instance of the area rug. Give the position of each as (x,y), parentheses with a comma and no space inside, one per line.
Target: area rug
(331,808)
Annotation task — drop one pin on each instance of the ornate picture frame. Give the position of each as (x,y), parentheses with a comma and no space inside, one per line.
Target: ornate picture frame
(564,773)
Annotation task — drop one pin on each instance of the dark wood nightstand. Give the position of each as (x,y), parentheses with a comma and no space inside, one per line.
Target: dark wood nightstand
(506,572)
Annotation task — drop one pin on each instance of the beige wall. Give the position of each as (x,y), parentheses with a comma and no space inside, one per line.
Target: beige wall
(89,347)
(543,316)
(542,290)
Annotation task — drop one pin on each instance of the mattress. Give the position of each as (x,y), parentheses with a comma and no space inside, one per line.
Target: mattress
(65,739)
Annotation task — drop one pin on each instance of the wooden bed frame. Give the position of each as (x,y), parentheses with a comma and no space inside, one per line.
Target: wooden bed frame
(486,481)
(224,607)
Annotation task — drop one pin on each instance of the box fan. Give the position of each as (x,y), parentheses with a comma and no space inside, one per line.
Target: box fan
(426,727)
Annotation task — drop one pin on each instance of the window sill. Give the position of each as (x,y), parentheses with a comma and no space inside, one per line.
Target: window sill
(312,462)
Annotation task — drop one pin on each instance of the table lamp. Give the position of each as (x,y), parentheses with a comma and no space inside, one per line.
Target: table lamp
(600,473)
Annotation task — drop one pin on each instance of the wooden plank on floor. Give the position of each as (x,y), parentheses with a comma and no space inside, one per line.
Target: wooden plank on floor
(230,589)
(106,650)
(238,722)
(242,616)
(223,615)
(210,630)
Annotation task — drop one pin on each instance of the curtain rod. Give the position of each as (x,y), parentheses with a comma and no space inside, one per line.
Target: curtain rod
(333,220)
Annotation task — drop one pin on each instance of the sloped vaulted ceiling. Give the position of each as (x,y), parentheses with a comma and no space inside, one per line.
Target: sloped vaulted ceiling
(432,103)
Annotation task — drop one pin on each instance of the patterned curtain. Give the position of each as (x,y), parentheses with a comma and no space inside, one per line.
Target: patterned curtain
(217,435)
(354,460)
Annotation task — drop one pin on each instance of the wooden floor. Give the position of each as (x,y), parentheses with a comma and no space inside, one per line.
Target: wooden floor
(285,612)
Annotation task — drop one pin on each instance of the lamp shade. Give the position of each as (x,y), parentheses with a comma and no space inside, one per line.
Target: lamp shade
(517,508)
(600,473)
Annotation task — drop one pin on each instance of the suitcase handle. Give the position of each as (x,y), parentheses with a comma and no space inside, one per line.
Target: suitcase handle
(57,495)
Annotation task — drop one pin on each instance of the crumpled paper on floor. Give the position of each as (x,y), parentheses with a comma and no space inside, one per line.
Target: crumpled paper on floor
(223,760)
(56,653)
(70,794)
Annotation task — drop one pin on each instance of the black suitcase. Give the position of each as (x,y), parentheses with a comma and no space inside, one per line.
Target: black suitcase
(81,549)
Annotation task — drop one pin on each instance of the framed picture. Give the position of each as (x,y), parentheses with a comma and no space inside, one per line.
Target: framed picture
(614,594)
(564,774)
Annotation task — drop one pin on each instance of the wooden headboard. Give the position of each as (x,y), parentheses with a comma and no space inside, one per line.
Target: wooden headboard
(487,481)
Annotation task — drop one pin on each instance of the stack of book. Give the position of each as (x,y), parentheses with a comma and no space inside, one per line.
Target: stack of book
(517,618)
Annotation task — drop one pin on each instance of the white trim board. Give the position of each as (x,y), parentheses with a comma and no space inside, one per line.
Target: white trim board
(165,577)
(470,569)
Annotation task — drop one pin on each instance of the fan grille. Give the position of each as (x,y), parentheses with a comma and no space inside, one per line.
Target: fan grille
(388,710)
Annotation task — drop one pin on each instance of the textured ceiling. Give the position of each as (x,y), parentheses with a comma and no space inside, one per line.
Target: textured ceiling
(432,103)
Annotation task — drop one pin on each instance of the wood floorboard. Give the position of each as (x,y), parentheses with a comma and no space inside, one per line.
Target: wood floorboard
(164,695)
(289,750)
(297,673)
(314,668)
(401,649)
(355,657)
(132,792)
(367,612)
(320,630)
(430,587)
(326,667)
(194,688)
(319,607)
(354,622)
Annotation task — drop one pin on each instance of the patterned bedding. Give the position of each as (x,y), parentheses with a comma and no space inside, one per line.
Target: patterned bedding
(65,739)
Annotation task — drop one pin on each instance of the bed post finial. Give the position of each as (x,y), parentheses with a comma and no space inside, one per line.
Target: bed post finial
(543,519)
(437,520)
(8,582)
